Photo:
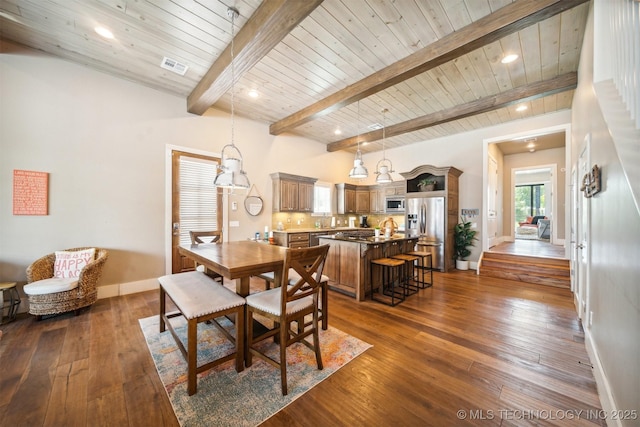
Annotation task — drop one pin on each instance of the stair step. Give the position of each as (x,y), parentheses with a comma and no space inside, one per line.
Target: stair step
(557,270)
(530,269)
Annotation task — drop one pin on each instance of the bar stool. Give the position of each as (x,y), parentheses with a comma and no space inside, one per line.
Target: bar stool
(422,268)
(392,292)
(13,303)
(408,280)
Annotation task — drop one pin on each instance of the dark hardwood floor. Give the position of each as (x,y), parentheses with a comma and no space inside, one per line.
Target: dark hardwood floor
(539,248)
(467,351)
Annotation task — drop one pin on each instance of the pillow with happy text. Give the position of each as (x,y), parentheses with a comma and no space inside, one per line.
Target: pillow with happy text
(70,263)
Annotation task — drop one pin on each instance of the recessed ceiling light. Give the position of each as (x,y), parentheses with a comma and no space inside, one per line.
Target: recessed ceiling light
(337,132)
(509,58)
(521,108)
(253,93)
(104,32)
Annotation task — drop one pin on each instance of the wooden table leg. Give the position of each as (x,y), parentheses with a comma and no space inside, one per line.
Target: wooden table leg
(242,286)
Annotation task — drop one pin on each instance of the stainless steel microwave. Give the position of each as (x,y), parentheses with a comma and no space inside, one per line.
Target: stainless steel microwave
(394,204)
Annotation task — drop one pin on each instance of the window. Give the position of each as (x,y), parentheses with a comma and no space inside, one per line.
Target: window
(199,207)
(322,198)
(530,201)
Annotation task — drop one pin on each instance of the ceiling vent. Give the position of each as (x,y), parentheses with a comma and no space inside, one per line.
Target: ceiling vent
(173,65)
(374,126)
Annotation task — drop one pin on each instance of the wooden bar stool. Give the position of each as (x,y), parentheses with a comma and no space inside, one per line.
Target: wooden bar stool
(408,280)
(392,292)
(424,267)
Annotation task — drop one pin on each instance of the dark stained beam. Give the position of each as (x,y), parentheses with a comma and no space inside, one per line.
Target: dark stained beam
(506,20)
(269,24)
(514,96)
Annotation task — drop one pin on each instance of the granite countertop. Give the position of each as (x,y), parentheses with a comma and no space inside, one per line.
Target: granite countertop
(370,240)
(319,230)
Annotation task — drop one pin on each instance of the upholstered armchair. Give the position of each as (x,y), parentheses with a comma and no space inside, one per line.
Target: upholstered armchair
(49,294)
(532,221)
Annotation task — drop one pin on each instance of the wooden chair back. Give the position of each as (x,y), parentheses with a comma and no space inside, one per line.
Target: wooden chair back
(203,236)
(308,263)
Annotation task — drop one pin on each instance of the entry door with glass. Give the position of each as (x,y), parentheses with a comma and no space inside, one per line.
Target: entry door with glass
(196,203)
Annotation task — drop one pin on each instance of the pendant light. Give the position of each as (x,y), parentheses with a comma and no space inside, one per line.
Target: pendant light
(359,171)
(231,173)
(384,168)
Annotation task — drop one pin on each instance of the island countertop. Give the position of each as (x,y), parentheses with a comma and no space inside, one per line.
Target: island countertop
(369,240)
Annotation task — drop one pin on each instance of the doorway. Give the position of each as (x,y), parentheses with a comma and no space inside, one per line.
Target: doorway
(534,149)
(533,191)
(195,203)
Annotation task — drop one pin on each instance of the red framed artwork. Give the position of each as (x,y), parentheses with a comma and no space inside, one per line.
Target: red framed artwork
(30,192)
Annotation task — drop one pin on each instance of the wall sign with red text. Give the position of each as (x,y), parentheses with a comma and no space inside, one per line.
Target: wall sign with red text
(30,192)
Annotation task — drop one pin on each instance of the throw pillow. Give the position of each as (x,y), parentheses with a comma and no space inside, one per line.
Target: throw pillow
(70,263)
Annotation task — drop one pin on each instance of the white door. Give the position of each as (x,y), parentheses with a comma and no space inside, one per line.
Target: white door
(492,197)
(573,250)
(582,240)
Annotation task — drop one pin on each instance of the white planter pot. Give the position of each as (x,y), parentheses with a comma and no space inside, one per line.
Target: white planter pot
(462,265)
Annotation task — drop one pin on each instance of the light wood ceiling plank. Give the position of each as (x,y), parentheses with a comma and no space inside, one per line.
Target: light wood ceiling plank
(571,37)
(511,44)
(269,24)
(550,46)
(531,53)
(505,21)
(416,22)
(457,13)
(532,91)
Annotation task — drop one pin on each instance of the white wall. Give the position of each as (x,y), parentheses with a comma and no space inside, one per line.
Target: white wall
(614,293)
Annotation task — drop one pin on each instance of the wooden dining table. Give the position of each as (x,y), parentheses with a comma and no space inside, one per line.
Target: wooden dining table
(238,260)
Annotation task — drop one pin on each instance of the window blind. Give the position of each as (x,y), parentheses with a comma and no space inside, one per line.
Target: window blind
(198,196)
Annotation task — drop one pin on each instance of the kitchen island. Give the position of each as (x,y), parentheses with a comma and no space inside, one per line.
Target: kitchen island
(348,263)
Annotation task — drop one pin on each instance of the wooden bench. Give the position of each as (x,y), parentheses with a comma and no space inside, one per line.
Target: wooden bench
(199,298)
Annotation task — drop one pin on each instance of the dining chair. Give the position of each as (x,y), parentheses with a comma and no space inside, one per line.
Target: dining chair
(206,236)
(287,304)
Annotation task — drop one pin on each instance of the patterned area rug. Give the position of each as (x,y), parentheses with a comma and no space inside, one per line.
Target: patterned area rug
(228,398)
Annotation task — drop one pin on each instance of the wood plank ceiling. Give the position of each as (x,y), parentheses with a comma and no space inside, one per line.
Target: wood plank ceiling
(435,65)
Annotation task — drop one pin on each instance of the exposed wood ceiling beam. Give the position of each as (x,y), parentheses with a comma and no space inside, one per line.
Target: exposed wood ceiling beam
(506,20)
(270,23)
(516,95)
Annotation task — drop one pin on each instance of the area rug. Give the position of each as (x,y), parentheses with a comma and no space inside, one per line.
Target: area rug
(228,398)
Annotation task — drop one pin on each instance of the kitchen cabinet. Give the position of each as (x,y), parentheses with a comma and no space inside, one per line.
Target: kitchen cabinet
(292,193)
(396,188)
(362,200)
(377,198)
(291,240)
(346,194)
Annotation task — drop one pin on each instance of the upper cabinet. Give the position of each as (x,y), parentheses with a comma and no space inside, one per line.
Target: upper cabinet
(362,200)
(346,195)
(292,193)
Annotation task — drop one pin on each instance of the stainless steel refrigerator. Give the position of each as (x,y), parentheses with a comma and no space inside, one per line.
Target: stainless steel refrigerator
(425,218)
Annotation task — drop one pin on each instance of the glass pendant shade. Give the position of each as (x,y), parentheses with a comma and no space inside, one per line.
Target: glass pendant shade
(231,174)
(383,170)
(359,170)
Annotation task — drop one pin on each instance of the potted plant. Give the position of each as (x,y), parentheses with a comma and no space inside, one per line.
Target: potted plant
(426,184)
(463,239)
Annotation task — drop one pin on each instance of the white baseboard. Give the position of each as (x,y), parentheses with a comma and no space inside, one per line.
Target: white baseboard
(604,389)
